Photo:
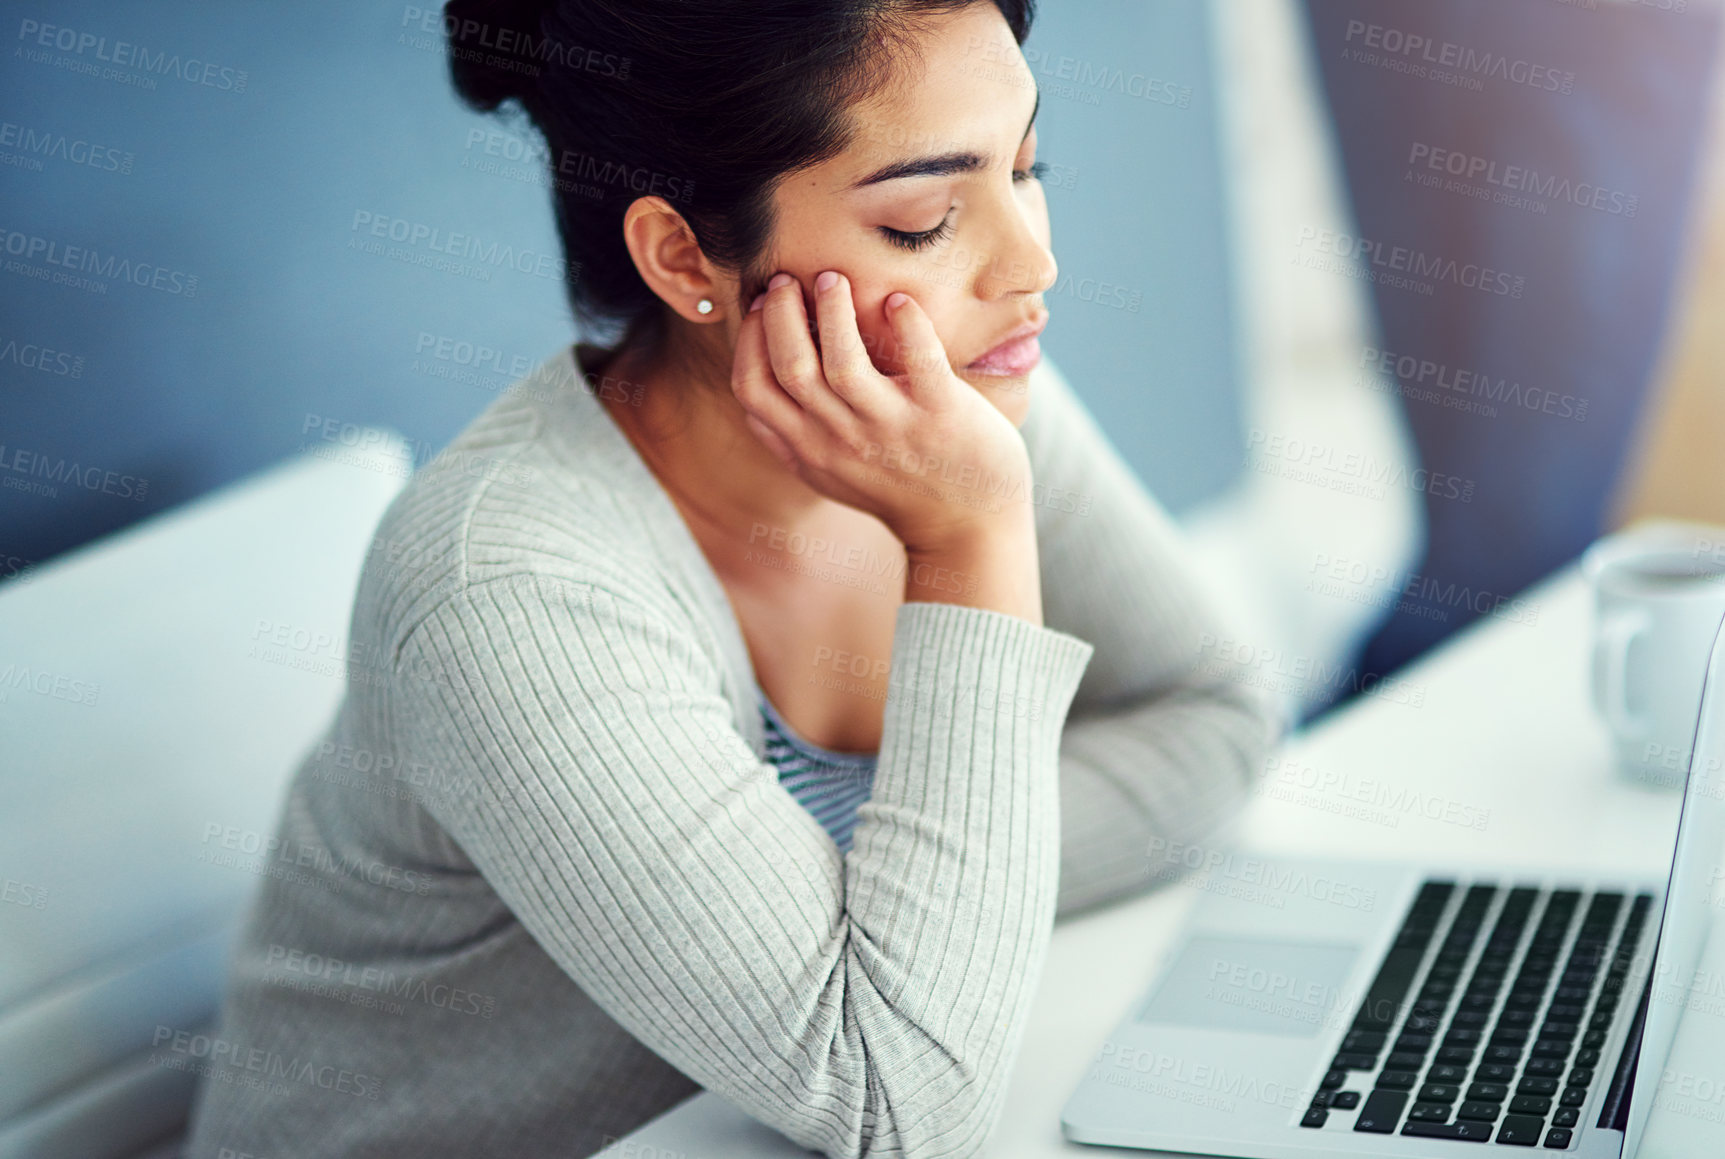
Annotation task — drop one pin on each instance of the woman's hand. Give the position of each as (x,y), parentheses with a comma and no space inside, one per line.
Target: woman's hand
(923,451)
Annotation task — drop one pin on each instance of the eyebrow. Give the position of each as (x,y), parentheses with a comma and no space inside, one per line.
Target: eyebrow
(940,165)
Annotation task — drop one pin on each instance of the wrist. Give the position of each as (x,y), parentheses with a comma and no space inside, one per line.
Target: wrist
(995,567)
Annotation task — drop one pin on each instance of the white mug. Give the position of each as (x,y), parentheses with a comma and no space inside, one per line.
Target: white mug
(1658,602)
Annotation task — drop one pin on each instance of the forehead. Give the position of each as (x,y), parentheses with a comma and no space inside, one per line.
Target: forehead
(964,86)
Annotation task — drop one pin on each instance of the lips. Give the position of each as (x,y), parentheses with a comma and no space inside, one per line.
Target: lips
(1017,354)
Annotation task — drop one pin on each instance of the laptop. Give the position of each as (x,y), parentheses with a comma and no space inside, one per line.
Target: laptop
(1464,1011)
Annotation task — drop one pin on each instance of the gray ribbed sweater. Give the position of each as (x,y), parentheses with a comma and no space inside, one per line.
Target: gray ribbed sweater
(537,884)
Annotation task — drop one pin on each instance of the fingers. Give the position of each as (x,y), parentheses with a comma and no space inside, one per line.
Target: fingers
(922,355)
(795,361)
(756,389)
(844,357)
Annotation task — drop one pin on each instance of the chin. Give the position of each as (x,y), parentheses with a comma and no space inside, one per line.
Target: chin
(1010,393)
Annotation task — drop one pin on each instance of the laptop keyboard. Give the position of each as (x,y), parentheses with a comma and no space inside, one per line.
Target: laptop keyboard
(1517,992)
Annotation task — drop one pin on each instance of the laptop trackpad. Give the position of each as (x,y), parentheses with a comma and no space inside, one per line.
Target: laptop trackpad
(1255,985)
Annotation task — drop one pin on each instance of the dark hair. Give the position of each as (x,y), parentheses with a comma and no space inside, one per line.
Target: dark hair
(707,103)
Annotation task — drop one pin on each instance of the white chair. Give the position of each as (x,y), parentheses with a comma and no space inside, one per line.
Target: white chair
(157,689)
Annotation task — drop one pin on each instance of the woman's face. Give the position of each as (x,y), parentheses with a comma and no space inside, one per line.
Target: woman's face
(935,197)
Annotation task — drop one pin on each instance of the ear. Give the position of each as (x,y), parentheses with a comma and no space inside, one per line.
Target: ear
(671,262)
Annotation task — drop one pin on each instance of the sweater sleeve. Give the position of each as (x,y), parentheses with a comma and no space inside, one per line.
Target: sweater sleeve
(1168,732)
(864,1004)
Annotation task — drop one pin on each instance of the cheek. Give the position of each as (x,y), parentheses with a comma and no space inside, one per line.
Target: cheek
(877,332)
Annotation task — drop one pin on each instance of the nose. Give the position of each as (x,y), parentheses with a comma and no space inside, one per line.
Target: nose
(1022,262)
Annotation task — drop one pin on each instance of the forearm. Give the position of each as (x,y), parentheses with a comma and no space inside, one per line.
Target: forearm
(1140,785)
(869,1003)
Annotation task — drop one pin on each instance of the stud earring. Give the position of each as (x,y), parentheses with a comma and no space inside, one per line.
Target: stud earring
(704,306)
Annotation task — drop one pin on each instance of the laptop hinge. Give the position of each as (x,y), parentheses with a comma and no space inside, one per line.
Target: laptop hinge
(1614,1110)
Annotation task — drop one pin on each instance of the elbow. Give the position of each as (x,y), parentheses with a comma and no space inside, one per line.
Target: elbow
(1234,737)
(1265,723)
(949,1114)
(1252,724)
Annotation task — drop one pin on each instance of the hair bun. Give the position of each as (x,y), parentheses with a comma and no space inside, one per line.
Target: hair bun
(493,54)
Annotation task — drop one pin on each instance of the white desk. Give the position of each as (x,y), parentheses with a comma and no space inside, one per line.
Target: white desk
(1502,727)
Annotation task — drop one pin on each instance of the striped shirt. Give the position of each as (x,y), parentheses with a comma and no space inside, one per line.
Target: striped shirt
(829,784)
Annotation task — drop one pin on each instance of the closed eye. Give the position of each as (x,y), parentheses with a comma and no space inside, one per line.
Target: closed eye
(921,239)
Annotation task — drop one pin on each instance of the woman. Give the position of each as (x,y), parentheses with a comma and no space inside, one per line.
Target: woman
(708,725)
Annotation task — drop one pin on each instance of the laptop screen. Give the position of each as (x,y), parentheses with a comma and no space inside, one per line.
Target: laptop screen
(1696,885)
